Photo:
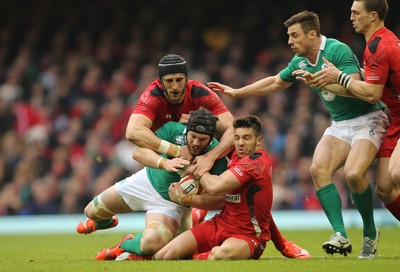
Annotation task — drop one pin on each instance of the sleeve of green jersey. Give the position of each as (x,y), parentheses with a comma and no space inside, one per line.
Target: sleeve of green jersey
(219,166)
(167,131)
(286,74)
(344,59)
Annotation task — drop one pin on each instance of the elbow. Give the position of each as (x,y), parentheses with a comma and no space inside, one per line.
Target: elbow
(213,191)
(372,99)
(131,135)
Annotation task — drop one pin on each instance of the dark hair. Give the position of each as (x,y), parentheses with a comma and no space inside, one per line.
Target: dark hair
(307,19)
(172,64)
(202,121)
(250,121)
(379,6)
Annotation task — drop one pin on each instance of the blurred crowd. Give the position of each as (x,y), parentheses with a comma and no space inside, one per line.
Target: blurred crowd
(71,73)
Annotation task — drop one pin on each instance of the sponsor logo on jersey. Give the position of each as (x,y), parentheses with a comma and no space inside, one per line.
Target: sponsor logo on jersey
(233,198)
(168,116)
(373,78)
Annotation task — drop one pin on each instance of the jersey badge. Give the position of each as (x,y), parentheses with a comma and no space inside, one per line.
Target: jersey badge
(180,140)
(328,96)
(302,64)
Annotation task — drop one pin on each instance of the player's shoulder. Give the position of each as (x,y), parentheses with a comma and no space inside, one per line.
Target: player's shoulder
(154,89)
(259,154)
(384,39)
(260,157)
(198,89)
(336,45)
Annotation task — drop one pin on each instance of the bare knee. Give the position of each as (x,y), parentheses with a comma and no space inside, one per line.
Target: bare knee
(166,253)
(150,243)
(355,180)
(319,176)
(154,237)
(221,253)
(387,193)
(395,175)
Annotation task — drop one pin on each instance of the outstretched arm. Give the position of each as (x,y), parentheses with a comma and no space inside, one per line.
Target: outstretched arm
(261,87)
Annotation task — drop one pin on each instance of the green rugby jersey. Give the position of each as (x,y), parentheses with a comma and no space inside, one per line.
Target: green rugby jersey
(340,54)
(175,133)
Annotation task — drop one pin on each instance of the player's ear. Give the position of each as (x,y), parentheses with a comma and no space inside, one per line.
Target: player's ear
(259,140)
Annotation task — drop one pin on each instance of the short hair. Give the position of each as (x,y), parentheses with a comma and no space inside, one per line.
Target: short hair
(250,121)
(308,21)
(202,121)
(172,64)
(379,6)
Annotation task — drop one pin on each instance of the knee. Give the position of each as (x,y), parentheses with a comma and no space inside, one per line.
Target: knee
(380,192)
(319,176)
(354,179)
(165,254)
(221,253)
(89,211)
(150,243)
(384,193)
(155,237)
(97,210)
(395,175)
(314,171)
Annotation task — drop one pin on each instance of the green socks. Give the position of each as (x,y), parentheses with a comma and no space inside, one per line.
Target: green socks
(365,206)
(104,224)
(133,245)
(331,202)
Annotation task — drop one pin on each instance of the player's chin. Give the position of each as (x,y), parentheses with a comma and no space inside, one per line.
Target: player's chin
(241,153)
(195,151)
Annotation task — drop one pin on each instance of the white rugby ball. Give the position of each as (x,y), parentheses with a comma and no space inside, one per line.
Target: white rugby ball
(189,185)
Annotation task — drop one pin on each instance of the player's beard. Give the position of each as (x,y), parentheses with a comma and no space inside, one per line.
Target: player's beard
(175,97)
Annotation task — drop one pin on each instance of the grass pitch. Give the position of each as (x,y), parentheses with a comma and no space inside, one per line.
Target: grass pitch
(75,252)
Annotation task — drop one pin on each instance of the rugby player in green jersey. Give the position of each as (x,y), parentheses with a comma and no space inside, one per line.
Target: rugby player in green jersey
(147,189)
(352,140)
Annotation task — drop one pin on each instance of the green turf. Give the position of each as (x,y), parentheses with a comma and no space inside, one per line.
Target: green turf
(75,252)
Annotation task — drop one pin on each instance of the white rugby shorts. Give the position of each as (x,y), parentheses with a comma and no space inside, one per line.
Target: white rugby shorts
(140,195)
(371,126)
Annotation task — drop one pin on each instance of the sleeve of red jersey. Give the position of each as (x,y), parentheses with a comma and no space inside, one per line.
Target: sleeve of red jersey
(248,169)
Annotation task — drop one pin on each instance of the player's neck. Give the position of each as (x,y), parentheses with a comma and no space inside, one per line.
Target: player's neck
(371,31)
(312,53)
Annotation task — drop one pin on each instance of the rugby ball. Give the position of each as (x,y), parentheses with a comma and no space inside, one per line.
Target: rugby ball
(189,185)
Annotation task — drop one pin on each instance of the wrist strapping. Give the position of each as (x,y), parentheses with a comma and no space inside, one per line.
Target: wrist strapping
(169,149)
(344,80)
(160,163)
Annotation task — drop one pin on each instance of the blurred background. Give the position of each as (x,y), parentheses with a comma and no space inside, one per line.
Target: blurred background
(71,72)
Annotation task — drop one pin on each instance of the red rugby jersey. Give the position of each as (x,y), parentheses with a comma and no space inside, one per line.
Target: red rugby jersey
(152,103)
